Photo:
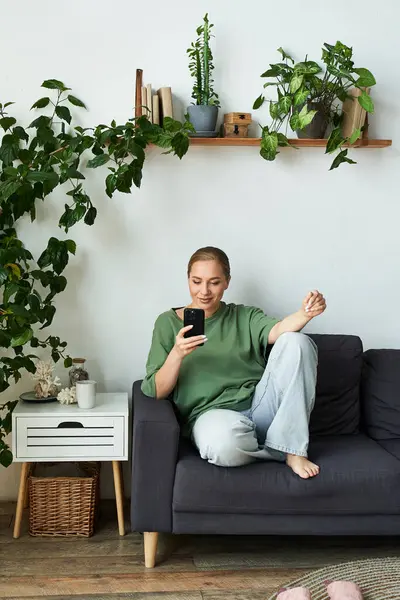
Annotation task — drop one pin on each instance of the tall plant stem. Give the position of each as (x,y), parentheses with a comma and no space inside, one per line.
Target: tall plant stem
(206,73)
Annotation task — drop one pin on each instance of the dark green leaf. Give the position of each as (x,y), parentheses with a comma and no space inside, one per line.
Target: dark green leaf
(54,84)
(366,102)
(67,362)
(40,122)
(71,246)
(26,156)
(10,290)
(258,102)
(335,140)
(341,158)
(285,55)
(49,312)
(98,161)
(42,176)
(90,216)
(58,284)
(171,125)
(22,338)
(21,133)
(7,423)
(41,103)
(72,173)
(7,122)
(63,113)
(273,72)
(163,140)
(8,188)
(5,339)
(282,140)
(34,303)
(366,78)
(75,101)
(6,458)
(180,145)
(111,184)
(3,275)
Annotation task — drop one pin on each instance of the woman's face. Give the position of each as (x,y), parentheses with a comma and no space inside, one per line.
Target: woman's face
(207,284)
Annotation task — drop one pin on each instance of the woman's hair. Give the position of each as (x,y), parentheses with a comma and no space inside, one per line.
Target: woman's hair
(211,253)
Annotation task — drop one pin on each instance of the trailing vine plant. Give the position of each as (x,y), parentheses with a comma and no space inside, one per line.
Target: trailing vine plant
(34,161)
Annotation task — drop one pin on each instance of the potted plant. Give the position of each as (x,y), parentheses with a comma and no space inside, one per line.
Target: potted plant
(203,112)
(309,99)
(34,161)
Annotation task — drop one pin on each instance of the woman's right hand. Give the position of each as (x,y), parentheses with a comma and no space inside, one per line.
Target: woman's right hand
(184,346)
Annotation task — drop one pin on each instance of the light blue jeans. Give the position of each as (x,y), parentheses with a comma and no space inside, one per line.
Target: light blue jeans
(277,422)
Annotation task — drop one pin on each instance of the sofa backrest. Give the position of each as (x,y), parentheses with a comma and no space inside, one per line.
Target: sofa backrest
(380,394)
(337,404)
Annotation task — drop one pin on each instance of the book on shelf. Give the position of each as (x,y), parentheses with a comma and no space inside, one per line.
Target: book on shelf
(165,103)
(144,101)
(149,102)
(156,109)
(353,113)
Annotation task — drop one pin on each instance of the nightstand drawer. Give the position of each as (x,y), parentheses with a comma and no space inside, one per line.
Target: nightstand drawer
(64,437)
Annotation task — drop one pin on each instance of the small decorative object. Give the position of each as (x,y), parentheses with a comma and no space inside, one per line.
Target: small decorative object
(67,396)
(47,385)
(236,124)
(86,394)
(310,101)
(78,372)
(203,112)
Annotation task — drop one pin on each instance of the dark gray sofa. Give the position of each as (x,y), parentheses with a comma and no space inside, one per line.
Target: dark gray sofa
(355,438)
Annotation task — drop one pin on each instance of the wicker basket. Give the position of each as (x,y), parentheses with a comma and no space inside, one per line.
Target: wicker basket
(64,505)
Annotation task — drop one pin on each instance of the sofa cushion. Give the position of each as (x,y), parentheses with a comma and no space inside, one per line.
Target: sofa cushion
(337,405)
(392,446)
(380,393)
(357,477)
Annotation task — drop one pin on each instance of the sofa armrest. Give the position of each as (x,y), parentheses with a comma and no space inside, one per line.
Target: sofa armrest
(155,441)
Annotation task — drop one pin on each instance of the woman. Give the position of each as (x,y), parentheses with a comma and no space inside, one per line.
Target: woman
(235,407)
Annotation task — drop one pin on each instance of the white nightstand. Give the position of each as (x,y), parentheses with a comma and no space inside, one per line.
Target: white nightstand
(54,432)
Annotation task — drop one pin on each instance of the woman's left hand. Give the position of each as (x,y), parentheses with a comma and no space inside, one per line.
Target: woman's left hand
(313,305)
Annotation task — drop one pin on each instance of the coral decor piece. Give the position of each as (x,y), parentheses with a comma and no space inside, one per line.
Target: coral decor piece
(46,385)
(67,396)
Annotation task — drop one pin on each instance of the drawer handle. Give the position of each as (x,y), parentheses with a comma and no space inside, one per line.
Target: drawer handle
(69,424)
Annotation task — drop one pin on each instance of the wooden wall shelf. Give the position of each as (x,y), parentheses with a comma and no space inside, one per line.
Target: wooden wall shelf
(300,143)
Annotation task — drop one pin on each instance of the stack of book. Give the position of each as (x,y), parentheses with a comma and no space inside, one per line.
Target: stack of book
(353,113)
(156,106)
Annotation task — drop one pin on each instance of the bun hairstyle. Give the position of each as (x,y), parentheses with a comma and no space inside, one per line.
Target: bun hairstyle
(211,253)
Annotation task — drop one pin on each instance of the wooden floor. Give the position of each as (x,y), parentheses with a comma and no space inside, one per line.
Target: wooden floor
(107,567)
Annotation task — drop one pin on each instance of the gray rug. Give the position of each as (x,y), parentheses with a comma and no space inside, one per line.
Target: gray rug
(378,578)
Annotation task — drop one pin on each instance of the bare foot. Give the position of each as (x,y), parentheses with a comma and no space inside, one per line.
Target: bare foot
(302,466)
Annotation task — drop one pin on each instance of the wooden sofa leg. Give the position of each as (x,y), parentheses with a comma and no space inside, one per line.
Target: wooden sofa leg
(150,548)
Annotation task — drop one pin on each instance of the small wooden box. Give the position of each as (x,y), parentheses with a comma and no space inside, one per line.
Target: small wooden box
(238,118)
(234,130)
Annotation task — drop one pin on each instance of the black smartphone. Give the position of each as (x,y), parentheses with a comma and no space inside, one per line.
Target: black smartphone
(195,317)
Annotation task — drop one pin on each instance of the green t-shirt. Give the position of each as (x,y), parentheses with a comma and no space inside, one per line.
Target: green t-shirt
(221,374)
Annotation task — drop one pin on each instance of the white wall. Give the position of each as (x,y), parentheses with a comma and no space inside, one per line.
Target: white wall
(287,226)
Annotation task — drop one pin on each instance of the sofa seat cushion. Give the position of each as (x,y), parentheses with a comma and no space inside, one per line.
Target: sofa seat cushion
(392,446)
(357,477)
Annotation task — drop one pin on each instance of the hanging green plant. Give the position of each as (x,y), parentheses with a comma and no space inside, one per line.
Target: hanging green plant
(310,100)
(34,161)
